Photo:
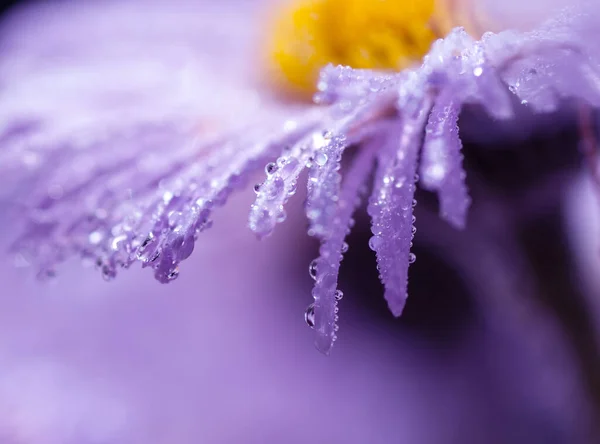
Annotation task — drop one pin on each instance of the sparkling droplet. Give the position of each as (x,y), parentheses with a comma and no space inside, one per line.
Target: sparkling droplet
(321,159)
(414,203)
(281,216)
(95,237)
(270,168)
(312,269)
(374,243)
(411,258)
(478,71)
(257,187)
(309,315)
(345,247)
(339,294)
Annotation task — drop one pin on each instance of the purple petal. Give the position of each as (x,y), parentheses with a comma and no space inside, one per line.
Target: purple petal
(391,208)
(441,161)
(324,185)
(325,291)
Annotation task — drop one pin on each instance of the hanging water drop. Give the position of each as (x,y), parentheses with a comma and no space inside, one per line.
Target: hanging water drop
(309,316)
(312,269)
(412,258)
(339,294)
(345,247)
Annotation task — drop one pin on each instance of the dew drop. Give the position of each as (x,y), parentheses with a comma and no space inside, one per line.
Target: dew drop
(270,168)
(321,159)
(345,247)
(309,316)
(257,188)
(281,216)
(339,294)
(95,237)
(374,243)
(411,258)
(312,269)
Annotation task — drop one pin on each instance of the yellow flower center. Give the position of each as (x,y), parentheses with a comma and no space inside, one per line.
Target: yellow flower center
(375,34)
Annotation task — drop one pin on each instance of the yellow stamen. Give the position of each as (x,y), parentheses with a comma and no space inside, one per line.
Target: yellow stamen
(375,34)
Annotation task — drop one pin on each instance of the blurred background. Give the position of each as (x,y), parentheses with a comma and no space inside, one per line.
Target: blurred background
(498,343)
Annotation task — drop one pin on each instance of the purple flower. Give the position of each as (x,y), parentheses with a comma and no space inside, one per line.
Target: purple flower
(119,146)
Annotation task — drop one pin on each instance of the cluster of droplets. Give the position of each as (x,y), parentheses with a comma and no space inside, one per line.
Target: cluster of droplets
(145,208)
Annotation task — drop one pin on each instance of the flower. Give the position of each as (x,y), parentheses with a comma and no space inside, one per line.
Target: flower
(107,157)
(119,145)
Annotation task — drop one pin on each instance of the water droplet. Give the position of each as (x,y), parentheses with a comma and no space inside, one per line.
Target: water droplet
(321,159)
(116,242)
(257,188)
(108,273)
(414,203)
(167,196)
(327,135)
(413,230)
(270,168)
(95,237)
(173,274)
(313,213)
(292,188)
(281,216)
(412,258)
(478,71)
(345,247)
(312,269)
(309,316)
(339,294)
(374,243)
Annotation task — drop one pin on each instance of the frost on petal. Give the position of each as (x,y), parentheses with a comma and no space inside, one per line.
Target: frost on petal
(441,161)
(325,292)
(391,208)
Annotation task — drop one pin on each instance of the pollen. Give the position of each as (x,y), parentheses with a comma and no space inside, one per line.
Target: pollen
(373,34)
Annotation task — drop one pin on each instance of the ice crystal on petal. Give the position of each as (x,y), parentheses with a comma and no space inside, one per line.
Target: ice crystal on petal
(140,185)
